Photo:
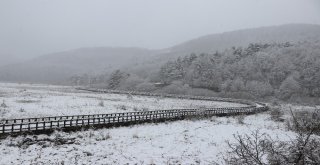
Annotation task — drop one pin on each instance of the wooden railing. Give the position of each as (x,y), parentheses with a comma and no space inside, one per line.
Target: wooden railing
(62,122)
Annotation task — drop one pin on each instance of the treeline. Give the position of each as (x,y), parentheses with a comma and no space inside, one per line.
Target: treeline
(285,71)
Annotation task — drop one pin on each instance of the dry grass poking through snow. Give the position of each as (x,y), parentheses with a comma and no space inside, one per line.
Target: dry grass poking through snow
(45,100)
(180,142)
(201,141)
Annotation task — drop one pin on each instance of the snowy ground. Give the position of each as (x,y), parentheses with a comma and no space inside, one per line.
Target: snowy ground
(23,100)
(179,142)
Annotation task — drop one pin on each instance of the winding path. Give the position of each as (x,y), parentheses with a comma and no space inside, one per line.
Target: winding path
(49,124)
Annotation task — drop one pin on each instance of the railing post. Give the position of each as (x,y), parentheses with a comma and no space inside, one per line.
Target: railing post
(33,123)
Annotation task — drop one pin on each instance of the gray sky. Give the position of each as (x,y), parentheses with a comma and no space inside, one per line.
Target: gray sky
(35,27)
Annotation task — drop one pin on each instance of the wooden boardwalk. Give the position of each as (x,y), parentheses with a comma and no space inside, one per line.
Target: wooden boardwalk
(43,124)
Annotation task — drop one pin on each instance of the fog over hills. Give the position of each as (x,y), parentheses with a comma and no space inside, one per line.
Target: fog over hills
(58,67)
(7,59)
(219,42)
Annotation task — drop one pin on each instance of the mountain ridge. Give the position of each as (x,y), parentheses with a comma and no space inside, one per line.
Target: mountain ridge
(57,67)
(245,34)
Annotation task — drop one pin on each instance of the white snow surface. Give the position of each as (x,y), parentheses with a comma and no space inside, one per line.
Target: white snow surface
(27,100)
(179,142)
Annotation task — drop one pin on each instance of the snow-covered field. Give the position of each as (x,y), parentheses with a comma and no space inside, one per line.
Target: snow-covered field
(25,100)
(180,142)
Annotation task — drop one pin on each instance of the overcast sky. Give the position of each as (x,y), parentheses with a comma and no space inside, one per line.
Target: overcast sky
(35,27)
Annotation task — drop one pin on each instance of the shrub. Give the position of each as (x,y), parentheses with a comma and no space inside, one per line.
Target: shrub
(201,92)
(146,86)
(144,109)
(258,88)
(103,136)
(240,119)
(123,107)
(22,110)
(129,96)
(289,87)
(135,109)
(176,87)
(135,136)
(101,103)
(248,149)
(304,121)
(259,148)
(27,101)
(130,82)
(3,105)
(276,114)
(213,119)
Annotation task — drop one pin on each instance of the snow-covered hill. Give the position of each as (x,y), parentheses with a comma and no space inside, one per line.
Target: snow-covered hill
(58,67)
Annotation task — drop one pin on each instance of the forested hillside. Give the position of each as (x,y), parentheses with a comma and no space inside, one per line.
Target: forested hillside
(259,70)
(286,71)
(57,68)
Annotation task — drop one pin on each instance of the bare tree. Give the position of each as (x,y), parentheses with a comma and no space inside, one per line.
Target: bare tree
(259,149)
(248,150)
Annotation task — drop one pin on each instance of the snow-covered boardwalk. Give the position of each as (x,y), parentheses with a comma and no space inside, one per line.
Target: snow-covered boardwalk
(77,121)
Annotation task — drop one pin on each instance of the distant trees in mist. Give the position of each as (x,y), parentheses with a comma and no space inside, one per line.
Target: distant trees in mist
(283,70)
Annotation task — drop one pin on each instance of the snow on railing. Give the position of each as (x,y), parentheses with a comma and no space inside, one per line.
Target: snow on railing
(62,122)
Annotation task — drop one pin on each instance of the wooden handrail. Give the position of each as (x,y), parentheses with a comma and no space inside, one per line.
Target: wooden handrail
(58,122)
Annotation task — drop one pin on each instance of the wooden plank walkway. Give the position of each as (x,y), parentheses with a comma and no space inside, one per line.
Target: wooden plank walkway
(61,122)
